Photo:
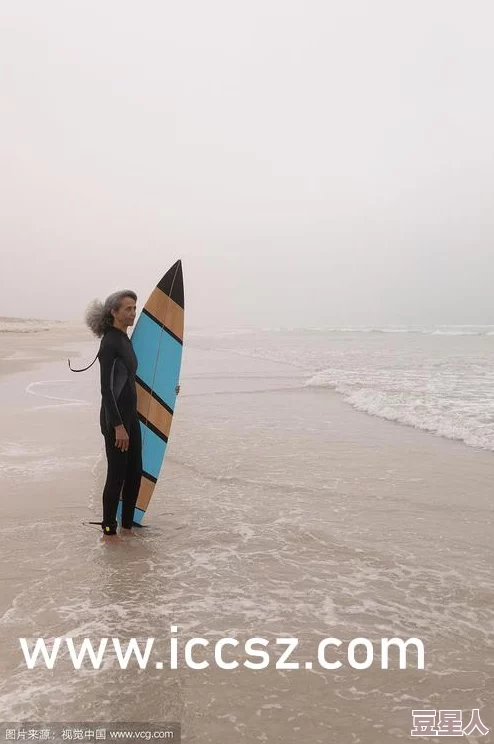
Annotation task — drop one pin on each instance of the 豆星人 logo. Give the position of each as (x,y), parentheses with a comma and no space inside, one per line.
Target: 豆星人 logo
(446,723)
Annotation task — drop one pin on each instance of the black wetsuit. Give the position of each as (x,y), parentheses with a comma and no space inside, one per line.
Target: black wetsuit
(119,406)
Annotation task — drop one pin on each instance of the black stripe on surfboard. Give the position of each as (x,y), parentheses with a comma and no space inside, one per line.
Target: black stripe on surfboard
(172,283)
(153,428)
(149,477)
(164,327)
(154,395)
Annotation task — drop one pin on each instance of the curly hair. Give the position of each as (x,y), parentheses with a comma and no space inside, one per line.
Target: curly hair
(98,315)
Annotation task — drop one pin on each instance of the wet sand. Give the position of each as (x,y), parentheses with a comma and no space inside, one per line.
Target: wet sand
(24,350)
(282,511)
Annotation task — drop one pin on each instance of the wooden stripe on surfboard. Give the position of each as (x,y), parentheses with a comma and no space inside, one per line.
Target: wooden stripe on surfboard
(161,326)
(152,410)
(155,395)
(166,312)
(145,492)
(152,428)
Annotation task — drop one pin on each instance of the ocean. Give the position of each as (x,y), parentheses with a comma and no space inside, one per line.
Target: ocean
(439,379)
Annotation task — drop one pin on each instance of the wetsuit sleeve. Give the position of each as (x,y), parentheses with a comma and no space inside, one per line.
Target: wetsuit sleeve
(108,359)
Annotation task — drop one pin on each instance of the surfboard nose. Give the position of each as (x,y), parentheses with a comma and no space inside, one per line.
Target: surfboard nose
(172,283)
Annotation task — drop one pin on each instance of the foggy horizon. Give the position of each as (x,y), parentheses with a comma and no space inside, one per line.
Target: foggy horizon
(319,164)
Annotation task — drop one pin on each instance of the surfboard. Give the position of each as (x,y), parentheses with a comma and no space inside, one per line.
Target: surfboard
(158,342)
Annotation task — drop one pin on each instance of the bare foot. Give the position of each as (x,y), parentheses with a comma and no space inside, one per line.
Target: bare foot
(110,538)
(127,531)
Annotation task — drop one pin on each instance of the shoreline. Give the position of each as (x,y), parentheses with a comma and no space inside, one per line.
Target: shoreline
(24,351)
(372,444)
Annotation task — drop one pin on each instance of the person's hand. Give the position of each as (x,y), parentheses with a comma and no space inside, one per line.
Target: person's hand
(121,438)
(177,389)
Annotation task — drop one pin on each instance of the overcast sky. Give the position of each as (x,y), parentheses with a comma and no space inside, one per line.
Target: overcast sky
(312,162)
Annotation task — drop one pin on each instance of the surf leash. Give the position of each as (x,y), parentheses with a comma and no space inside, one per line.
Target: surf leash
(84,368)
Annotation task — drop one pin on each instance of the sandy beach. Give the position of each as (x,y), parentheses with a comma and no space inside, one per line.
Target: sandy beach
(281,511)
(295,198)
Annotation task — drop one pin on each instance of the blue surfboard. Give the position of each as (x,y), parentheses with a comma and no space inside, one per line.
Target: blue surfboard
(158,342)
